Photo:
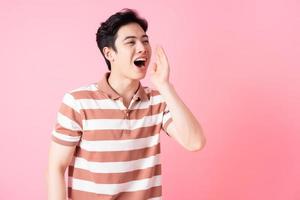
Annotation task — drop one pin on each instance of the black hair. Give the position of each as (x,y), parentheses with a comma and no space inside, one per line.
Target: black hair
(107,32)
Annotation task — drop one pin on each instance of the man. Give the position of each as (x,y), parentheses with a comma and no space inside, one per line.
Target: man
(107,133)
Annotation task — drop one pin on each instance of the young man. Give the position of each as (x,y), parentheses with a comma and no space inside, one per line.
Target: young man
(107,133)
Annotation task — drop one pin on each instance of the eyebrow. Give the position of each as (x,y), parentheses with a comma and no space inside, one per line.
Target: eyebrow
(134,37)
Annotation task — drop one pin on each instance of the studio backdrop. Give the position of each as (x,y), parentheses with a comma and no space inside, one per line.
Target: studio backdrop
(234,63)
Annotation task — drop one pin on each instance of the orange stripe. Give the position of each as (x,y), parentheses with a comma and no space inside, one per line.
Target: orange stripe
(99,95)
(114,178)
(142,132)
(121,114)
(137,195)
(118,156)
(70,113)
(63,142)
(63,130)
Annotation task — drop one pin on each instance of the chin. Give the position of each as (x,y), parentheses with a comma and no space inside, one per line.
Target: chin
(138,76)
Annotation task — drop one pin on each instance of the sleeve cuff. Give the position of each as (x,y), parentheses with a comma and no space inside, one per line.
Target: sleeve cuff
(62,142)
(165,126)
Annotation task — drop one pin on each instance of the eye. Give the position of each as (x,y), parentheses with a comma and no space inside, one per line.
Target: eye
(146,41)
(131,42)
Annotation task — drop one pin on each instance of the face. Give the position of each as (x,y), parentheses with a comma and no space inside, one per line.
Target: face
(133,52)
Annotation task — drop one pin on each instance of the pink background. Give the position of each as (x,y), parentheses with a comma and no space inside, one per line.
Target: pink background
(235,64)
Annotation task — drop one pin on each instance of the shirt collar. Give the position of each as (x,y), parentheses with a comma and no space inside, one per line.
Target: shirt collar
(104,86)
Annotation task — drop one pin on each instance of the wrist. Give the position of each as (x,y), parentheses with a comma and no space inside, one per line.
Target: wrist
(165,87)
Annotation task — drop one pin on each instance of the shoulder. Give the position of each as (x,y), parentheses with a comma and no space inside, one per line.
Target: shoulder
(151,91)
(154,96)
(83,91)
(84,88)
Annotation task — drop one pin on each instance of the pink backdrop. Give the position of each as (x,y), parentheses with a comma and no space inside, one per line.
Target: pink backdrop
(235,64)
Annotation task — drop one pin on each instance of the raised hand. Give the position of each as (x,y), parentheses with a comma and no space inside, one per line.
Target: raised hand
(160,70)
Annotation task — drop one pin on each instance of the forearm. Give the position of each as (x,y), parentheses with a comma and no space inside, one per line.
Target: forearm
(56,185)
(188,127)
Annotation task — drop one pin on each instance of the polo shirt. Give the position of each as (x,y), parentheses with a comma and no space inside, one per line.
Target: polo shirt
(117,153)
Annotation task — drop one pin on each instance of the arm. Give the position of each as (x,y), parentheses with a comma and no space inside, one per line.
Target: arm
(184,128)
(65,137)
(59,159)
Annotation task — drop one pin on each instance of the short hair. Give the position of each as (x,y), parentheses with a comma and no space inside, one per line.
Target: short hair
(107,32)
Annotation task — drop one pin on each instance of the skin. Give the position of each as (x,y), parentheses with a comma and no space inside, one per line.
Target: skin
(131,43)
(124,79)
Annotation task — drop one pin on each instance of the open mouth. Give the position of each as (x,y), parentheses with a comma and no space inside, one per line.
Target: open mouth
(140,62)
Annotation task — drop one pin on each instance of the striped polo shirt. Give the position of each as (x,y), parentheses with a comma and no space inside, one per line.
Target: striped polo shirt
(117,153)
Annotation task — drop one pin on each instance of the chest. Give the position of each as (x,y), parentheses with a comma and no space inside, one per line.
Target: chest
(111,119)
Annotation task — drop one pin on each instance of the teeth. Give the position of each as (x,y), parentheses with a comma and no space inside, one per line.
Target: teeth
(141,59)
(140,62)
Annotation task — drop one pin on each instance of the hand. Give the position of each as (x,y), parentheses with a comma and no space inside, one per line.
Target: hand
(160,70)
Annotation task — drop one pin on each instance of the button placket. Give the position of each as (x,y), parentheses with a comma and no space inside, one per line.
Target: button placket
(126,112)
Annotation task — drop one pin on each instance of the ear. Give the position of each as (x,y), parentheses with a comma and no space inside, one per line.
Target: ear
(108,53)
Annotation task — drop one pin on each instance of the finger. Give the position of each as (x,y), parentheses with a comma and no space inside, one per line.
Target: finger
(153,68)
(159,55)
(163,54)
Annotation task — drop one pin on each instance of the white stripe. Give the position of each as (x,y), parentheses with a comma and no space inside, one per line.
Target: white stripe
(110,104)
(155,198)
(154,100)
(98,104)
(116,167)
(120,145)
(112,189)
(67,122)
(66,138)
(123,124)
(69,100)
(89,87)
(166,117)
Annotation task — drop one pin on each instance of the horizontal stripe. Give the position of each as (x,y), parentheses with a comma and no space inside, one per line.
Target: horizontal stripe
(120,114)
(94,92)
(117,153)
(115,104)
(155,198)
(66,138)
(117,156)
(114,178)
(67,122)
(112,189)
(165,127)
(69,100)
(62,142)
(153,192)
(70,113)
(62,130)
(89,87)
(166,117)
(142,132)
(111,124)
(119,145)
(98,104)
(116,167)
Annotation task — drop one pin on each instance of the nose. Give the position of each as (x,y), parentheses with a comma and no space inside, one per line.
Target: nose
(141,47)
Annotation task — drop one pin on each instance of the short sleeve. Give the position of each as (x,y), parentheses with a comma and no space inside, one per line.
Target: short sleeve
(68,127)
(167,118)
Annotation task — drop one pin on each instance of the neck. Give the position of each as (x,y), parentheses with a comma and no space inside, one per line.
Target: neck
(123,86)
